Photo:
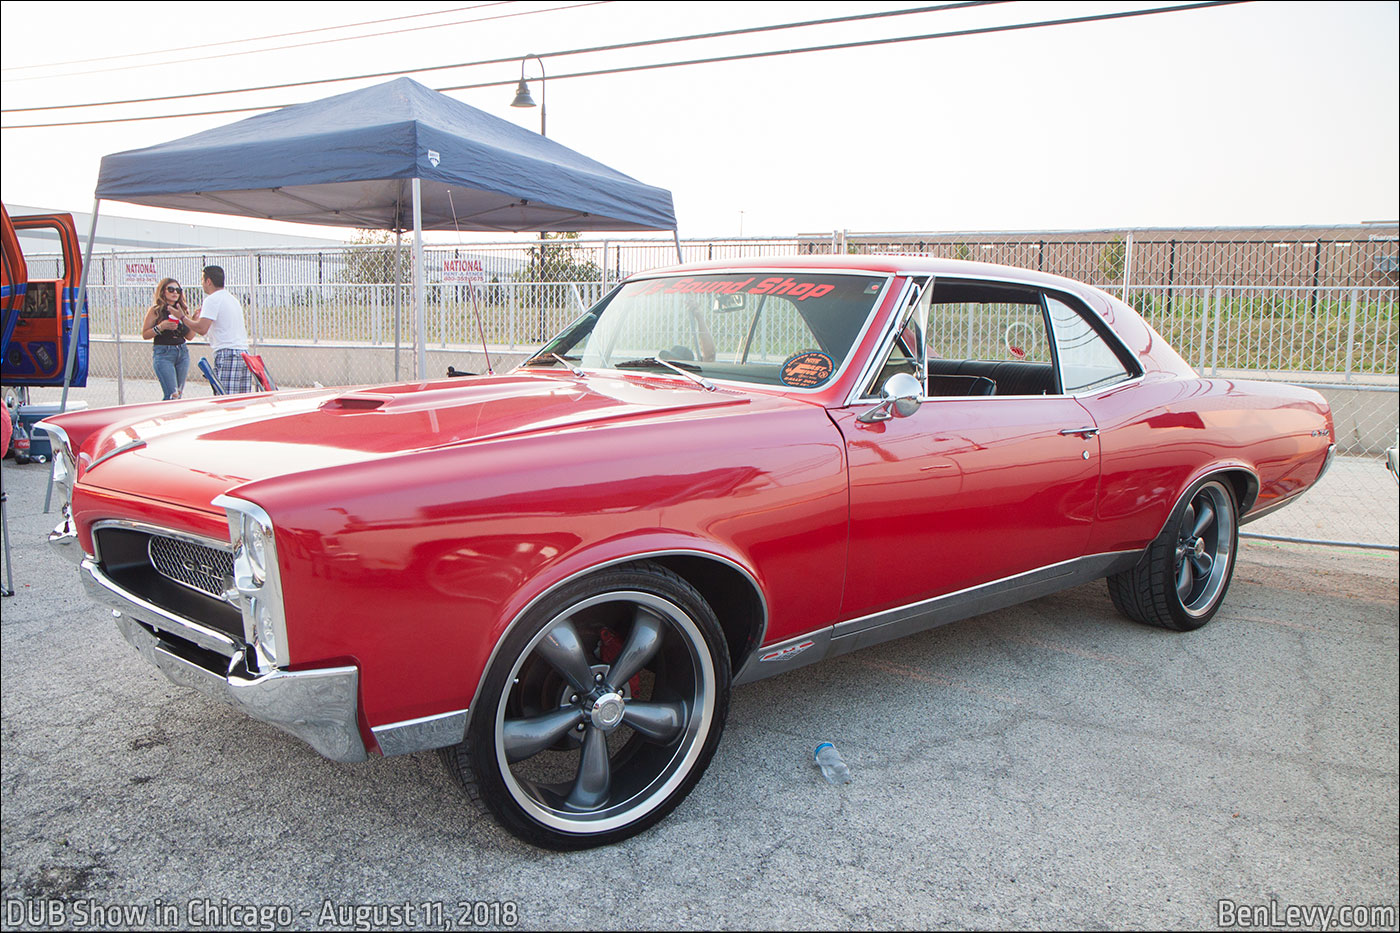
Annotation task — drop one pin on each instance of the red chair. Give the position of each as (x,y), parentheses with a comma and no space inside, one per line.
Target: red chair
(258,368)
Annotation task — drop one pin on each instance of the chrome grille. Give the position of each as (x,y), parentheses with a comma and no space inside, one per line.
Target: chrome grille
(201,568)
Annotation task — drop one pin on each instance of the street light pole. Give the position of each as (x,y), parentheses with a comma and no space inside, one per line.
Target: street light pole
(522,90)
(523,99)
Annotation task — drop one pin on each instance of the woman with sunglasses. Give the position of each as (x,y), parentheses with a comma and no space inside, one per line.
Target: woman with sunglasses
(165,324)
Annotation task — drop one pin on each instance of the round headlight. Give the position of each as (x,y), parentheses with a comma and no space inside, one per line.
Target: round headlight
(256,547)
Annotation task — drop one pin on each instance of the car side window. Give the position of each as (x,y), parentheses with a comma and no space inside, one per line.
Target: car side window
(1087,362)
(988,338)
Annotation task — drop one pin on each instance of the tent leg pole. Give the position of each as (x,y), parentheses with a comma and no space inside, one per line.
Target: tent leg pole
(72,360)
(398,298)
(420,341)
(676,234)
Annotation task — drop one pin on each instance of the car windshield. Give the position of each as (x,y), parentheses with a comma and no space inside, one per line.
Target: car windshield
(794,329)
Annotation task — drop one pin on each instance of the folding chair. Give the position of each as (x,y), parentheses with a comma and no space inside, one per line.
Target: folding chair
(214,382)
(258,368)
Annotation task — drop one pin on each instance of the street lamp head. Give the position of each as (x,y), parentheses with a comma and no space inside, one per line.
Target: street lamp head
(522,96)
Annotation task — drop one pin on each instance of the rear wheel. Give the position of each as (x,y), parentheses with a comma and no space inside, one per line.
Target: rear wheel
(601,710)
(1182,581)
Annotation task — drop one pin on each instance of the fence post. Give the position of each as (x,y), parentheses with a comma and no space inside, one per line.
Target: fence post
(1128,268)
(254,277)
(116,332)
(1215,337)
(1351,330)
(1205,329)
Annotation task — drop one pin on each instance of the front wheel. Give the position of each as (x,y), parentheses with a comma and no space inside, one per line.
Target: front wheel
(601,710)
(1182,581)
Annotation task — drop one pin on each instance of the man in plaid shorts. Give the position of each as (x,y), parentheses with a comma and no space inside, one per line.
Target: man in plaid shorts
(221,319)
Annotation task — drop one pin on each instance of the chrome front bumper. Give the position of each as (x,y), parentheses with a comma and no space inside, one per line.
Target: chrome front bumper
(317,706)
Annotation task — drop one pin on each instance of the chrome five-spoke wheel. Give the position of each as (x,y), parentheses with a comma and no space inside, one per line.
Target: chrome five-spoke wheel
(602,709)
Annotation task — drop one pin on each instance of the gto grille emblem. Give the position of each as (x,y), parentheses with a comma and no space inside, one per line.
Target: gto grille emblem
(194,565)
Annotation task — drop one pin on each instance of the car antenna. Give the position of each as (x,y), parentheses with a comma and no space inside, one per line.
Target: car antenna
(471,289)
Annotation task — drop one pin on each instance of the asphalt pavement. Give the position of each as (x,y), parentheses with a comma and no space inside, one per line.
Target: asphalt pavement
(1047,766)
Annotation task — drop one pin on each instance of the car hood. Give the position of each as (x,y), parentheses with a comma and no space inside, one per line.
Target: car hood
(193,453)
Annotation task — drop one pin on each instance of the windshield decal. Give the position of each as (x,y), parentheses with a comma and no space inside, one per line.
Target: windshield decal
(773,285)
(807,370)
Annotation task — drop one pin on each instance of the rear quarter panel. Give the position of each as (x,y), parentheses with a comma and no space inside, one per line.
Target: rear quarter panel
(1161,434)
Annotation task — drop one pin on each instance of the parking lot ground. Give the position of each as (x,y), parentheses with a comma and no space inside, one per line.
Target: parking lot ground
(1048,766)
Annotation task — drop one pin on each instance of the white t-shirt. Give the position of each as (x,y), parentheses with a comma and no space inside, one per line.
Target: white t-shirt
(228,332)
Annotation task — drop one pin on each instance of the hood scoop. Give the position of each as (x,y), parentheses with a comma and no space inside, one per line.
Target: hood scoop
(356,401)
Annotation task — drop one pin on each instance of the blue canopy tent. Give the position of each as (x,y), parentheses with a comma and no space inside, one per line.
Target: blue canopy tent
(396,156)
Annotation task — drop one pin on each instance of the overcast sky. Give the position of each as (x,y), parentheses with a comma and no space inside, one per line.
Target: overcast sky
(1261,113)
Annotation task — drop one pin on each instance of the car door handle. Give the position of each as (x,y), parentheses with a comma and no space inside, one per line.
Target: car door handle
(1085,433)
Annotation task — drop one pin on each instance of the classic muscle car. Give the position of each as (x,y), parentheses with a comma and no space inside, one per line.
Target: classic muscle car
(557,575)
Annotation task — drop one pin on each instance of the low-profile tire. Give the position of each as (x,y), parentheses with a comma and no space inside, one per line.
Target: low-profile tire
(600,711)
(1182,580)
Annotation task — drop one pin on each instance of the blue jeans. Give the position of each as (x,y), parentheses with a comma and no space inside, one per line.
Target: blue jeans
(171,366)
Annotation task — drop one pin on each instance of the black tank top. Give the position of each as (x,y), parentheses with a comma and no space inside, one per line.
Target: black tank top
(171,338)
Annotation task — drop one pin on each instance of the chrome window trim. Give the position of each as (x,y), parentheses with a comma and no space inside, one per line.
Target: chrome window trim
(631,558)
(836,375)
(876,360)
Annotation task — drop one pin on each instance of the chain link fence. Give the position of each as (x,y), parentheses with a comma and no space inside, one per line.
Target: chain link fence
(1309,305)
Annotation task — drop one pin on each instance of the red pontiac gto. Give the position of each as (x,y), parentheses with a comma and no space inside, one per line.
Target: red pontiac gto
(556,576)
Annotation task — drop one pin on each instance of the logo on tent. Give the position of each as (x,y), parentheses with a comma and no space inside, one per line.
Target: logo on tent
(434,157)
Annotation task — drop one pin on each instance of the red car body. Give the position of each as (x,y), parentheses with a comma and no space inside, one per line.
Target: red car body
(415,525)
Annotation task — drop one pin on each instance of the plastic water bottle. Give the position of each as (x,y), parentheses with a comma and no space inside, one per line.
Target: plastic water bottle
(833,768)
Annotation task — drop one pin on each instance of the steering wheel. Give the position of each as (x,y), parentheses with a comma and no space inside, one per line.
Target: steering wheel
(1018,337)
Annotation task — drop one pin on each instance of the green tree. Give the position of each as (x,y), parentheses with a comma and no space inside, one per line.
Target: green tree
(371,262)
(558,258)
(1113,257)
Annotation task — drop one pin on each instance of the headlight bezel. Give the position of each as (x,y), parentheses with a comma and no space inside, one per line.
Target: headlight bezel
(257,582)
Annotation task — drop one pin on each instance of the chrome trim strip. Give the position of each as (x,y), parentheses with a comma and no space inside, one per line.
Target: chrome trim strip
(883,626)
(632,558)
(317,706)
(421,735)
(103,590)
(975,600)
(1274,507)
(217,544)
(129,445)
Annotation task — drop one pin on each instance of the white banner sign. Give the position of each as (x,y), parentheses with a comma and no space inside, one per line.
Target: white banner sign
(140,273)
(463,272)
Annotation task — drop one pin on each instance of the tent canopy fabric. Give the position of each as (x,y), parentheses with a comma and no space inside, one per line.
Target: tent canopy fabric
(348,160)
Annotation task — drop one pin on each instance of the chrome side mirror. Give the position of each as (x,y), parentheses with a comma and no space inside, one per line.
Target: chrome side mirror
(901,398)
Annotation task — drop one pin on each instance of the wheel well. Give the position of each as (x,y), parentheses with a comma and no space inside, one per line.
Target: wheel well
(1246,487)
(730,593)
